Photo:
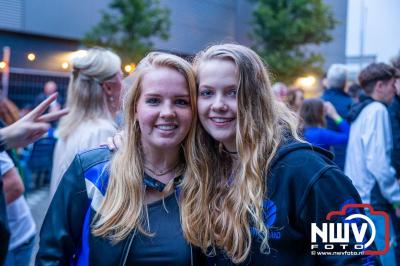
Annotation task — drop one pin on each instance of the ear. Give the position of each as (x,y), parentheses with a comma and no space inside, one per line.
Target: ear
(107,88)
(379,86)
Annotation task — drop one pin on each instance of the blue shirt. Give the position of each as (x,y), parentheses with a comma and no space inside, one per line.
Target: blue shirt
(324,137)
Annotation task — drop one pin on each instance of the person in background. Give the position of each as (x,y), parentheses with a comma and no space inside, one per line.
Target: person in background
(21,133)
(93,101)
(368,160)
(335,94)
(295,99)
(394,113)
(20,220)
(355,92)
(49,88)
(313,114)
(280,90)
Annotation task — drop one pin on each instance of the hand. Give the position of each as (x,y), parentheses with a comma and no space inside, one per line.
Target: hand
(331,111)
(115,141)
(32,126)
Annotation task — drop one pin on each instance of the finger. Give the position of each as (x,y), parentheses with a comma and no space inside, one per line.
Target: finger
(37,130)
(52,116)
(41,107)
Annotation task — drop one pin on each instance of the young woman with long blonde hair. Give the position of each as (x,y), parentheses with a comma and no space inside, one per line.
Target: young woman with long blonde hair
(256,187)
(122,208)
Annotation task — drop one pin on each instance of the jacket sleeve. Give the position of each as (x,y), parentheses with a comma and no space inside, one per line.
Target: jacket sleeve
(377,143)
(61,230)
(330,137)
(330,192)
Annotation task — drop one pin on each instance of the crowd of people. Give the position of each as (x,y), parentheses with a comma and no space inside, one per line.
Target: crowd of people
(211,165)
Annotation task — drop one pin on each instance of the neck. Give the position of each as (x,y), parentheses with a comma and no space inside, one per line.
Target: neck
(230,148)
(161,160)
(379,98)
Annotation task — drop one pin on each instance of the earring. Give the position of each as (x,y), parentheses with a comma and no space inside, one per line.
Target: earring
(111,100)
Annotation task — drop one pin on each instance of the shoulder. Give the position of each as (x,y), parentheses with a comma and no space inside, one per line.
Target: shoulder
(96,127)
(95,170)
(373,112)
(376,106)
(299,165)
(89,158)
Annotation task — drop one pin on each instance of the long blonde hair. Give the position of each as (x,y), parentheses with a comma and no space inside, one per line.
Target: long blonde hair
(86,99)
(123,207)
(219,203)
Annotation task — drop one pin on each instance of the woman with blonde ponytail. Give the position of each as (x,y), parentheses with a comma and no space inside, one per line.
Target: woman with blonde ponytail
(93,100)
(122,208)
(255,188)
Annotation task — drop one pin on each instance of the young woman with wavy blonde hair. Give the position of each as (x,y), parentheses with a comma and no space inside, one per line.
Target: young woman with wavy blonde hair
(255,187)
(123,208)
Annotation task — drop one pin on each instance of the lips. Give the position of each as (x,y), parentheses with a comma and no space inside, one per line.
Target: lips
(167,127)
(221,119)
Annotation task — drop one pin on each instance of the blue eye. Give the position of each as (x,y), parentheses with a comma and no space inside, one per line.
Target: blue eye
(182,102)
(152,101)
(232,92)
(206,93)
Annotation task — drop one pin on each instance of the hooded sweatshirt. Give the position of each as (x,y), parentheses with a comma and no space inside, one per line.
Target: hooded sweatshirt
(303,186)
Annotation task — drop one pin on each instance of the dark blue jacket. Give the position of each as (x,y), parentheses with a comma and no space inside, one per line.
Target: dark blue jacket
(342,102)
(303,186)
(394,112)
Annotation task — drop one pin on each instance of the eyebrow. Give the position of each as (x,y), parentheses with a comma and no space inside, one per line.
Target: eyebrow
(159,95)
(225,87)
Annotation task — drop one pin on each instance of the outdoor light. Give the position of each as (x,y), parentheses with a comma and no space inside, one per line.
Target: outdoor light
(3,65)
(130,68)
(65,65)
(307,82)
(31,57)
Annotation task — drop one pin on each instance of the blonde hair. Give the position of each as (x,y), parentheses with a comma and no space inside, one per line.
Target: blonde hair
(123,207)
(221,204)
(86,99)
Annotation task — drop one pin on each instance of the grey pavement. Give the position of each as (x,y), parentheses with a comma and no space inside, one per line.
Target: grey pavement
(38,201)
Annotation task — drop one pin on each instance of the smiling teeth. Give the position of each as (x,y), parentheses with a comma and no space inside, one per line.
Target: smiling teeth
(221,120)
(166,127)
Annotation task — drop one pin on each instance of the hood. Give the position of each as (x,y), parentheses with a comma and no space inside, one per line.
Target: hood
(293,145)
(358,107)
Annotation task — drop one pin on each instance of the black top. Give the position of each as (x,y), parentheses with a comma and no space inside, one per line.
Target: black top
(164,223)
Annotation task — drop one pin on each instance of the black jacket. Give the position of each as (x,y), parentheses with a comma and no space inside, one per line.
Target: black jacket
(303,186)
(394,112)
(62,237)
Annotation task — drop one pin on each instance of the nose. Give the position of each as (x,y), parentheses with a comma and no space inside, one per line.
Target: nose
(219,104)
(167,111)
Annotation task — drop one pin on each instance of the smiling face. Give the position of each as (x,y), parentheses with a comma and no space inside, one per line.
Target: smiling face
(216,103)
(163,109)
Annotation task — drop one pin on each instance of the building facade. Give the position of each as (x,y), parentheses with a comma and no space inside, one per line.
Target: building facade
(52,30)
